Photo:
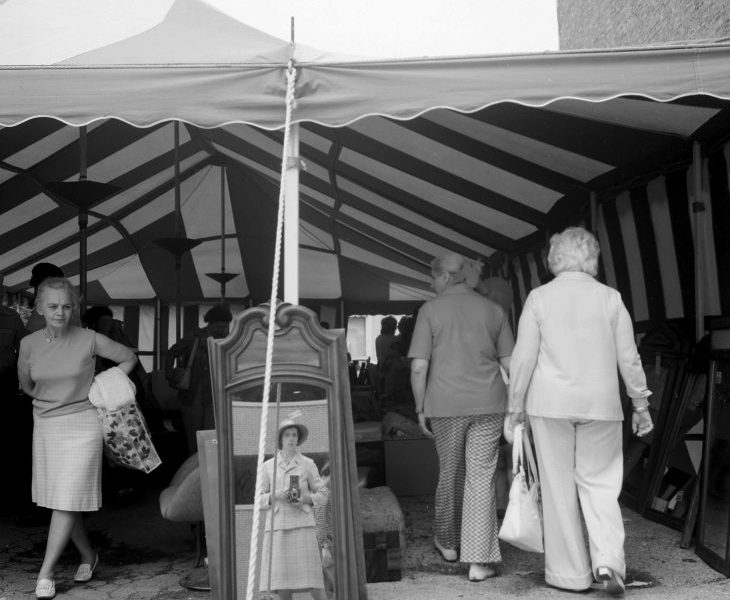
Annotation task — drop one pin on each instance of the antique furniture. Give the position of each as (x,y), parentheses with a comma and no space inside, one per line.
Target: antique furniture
(309,374)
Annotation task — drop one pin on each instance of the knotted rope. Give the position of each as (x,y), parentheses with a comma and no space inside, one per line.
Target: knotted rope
(286,163)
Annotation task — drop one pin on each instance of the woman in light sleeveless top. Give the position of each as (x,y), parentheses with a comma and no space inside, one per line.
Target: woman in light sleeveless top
(56,368)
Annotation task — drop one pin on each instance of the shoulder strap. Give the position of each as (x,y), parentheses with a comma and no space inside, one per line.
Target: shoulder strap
(532,472)
(517,451)
(192,353)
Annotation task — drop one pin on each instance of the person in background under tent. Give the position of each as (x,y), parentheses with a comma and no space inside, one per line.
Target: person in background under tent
(196,402)
(459,343)
(38,274)
(498,290)
(56,369)
(17,438)
(573,334)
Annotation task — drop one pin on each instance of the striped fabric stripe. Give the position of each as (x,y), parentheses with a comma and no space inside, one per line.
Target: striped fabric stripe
(606,262)
(618,252)
(665,250)
(649,264)
(647,249)
(635,271)
(709,261)
(718,184)
(676,188)
(518,290)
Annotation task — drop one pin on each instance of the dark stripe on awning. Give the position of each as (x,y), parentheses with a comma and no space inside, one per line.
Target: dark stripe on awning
(676,186)
(648,250)
(720,220)
(618,253)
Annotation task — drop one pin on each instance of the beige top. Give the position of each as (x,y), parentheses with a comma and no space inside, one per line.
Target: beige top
(572,334)
(462,335)
(61,370)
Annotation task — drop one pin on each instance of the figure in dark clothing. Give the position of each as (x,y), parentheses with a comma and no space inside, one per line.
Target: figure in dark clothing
(16,441)
(196,403)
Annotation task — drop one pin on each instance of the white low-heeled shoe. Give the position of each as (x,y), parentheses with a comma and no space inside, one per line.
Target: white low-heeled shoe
(480,572)
(45,588)
(448,554)
(86,571)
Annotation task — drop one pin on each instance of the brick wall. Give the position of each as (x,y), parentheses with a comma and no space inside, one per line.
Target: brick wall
(620,23)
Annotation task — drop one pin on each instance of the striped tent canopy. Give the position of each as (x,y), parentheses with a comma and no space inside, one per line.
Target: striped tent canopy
(402,161)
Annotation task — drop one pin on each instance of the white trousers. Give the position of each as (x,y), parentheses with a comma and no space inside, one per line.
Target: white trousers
(580,459)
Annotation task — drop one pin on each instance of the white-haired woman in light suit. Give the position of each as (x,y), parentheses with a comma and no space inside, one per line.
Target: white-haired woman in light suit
(459,342)
(573,333)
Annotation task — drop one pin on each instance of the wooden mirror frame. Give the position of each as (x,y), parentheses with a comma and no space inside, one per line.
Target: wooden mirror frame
(665,346)
(673,436)
(719,328)
(327,368)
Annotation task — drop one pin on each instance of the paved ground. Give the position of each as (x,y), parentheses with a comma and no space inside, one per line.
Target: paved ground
(143,557)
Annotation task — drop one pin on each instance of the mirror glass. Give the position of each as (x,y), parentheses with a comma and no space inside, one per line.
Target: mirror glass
(716,501)
(640,453)
(296,530)
(678,464)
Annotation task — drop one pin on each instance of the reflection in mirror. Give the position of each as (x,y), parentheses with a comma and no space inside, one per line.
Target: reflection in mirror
(309,379)
(716,501)
(641,453)
(296,552)
(295,534)
(676,475)
(290,392)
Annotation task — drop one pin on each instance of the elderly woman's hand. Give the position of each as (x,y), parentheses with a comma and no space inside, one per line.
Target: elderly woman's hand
(512,420)
(424,426)
(641,423)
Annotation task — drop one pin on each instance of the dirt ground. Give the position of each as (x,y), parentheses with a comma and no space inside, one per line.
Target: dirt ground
(143,557)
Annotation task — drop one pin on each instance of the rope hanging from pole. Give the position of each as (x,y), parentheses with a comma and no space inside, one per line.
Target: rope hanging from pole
(285,164)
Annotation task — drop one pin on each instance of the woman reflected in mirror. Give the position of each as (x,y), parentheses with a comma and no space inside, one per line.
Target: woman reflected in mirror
(291,489)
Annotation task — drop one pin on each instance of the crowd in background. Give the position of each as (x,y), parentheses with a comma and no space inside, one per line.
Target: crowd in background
(454,361)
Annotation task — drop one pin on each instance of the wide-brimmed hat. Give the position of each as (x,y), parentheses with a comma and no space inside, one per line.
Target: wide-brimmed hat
(286,424)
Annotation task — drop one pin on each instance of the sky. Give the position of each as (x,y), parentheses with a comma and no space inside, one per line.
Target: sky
(407,28)
(44,31)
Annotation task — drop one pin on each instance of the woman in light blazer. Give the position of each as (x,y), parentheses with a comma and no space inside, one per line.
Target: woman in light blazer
(290,534)
(573,333)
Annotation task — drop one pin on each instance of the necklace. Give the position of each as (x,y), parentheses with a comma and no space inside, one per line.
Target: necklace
(49,335)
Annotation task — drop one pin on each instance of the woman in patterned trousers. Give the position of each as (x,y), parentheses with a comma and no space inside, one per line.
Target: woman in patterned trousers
(459,342)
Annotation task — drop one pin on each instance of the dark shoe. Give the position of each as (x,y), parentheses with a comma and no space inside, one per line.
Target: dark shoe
(196,580)
(612,582)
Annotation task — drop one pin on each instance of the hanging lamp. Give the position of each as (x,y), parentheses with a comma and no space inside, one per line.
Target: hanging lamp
(223,278)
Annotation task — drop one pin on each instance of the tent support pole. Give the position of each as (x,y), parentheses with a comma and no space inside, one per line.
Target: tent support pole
(223,232)
(157,363)
(697,209)
(594,211)
(178,261)
(291,218)
(83,221)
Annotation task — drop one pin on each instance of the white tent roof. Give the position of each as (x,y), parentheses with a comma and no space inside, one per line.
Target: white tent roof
(406,159)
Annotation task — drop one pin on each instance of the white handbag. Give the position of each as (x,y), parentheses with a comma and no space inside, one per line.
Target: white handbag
(522,524)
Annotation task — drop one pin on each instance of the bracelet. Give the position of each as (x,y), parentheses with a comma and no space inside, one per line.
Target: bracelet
(419,411)
(641,409)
